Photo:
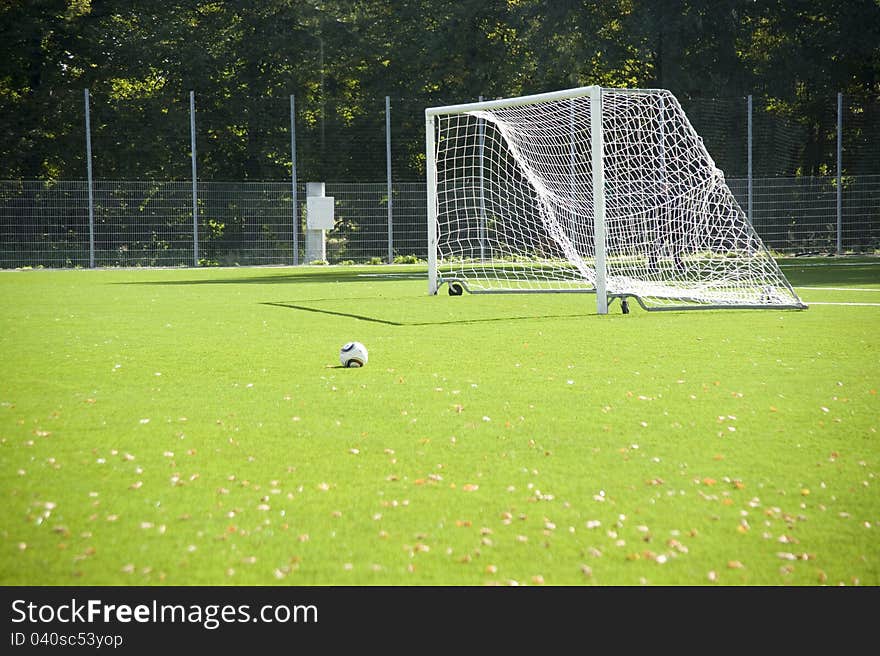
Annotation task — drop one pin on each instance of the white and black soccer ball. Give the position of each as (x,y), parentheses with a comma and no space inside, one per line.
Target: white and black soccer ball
(353,354)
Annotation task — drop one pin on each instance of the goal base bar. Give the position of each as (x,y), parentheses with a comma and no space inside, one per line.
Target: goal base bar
(638,299)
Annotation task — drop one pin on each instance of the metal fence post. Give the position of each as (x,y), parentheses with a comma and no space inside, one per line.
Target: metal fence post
(839,173)
(91,191)
(293,182)
(388,176)
(195,201)
(749,138)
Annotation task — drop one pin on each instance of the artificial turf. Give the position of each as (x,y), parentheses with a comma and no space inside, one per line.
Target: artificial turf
(194,427)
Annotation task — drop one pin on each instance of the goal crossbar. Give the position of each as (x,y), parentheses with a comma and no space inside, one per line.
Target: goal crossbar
(519,101)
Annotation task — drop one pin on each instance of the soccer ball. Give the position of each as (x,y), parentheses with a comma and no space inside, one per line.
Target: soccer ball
(353,354)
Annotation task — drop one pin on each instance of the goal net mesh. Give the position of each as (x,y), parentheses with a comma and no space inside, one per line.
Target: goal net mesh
(515,206)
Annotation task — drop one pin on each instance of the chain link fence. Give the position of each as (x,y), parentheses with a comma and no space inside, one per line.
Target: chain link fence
(145,224)
(807,184)
(149,224)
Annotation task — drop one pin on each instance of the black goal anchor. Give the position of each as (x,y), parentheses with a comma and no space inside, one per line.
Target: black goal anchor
(624,303)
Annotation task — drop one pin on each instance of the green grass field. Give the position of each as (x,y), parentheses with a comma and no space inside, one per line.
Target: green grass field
(193,427)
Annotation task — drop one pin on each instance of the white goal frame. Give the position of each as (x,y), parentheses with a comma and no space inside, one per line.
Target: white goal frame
(783,295)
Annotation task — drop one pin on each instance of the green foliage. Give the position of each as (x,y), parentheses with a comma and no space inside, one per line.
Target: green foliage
(408,259)
(340,60)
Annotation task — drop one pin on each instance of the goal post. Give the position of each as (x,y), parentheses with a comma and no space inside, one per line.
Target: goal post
(596,143)
(431,176)
(590,190)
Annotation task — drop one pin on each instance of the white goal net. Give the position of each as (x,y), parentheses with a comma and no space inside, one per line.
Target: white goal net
(598,190)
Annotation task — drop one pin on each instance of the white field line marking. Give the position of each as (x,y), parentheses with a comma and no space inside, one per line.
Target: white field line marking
(827,264)
(861,304)
(840,289)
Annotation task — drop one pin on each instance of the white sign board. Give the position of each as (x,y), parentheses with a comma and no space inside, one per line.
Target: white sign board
(319,212)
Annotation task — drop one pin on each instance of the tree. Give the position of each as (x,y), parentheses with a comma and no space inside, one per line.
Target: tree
(340,58)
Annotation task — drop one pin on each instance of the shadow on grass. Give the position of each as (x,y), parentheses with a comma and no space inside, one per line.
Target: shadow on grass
(300,276)
(832,271)
(829,271)
(388,322)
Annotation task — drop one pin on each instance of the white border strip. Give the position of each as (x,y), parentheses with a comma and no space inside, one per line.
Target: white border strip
(796,265)
(812,303)
(840,289)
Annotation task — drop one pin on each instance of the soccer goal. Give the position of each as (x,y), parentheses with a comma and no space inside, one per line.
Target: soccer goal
(605,191)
